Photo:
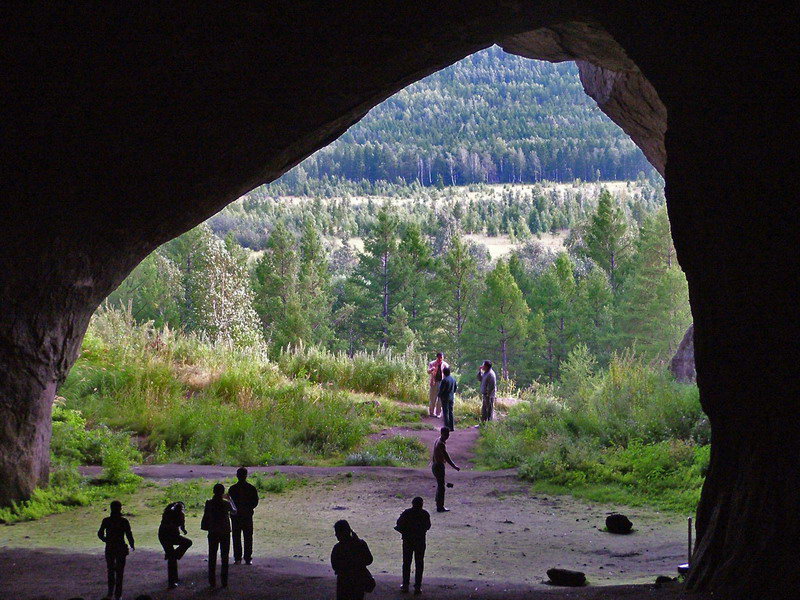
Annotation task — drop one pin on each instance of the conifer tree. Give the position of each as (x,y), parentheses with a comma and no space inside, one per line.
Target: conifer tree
(605,240)
(501,321)
(314,284)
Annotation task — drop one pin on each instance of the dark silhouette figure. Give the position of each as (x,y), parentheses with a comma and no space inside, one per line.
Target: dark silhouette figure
(113,531)
(245,496)
(217,522)
(439,457)
(173,521)
(447,397)
(349,559)
(413,524)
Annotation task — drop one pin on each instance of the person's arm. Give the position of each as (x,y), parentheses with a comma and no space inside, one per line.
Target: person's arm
(336,560)
(255,497)
(367,554)
(182,522)
(129,535)
(450,462)
(101,533)
(427,521)
(232,505)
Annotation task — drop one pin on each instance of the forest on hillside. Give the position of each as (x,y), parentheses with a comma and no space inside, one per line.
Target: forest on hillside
(418,283)
(490,118)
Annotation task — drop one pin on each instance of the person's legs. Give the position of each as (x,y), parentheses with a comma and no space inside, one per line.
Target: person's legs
(110,568)
(213,545)
(447,414)
(491,408)
(183,544)
(438,473)
(247,531)
(236,532)
(485,409)
(120,570)
(172,570)
(419,564)
(432,399)
(224,553)
(408,550)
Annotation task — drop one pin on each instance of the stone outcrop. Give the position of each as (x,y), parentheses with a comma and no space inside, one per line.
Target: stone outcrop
(682,364)
(125,126)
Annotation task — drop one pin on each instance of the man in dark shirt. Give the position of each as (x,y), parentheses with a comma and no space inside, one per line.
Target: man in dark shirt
(413,525)
(439,457)
(245,497)
(173,521)
(447,397)
(113,531)
(217,522)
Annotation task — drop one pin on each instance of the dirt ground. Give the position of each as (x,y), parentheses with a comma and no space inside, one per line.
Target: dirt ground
(498,541)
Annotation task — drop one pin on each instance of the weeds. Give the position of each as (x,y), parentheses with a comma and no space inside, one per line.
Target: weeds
(396,451)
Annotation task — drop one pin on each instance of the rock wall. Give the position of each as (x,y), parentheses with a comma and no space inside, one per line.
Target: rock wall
(682,364)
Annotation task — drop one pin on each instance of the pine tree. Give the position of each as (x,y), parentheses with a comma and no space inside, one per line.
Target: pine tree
(457,286)
(605,240)
(416,272)
(501,321)
(314,284)
(277,300)
(654,309)
(401,336)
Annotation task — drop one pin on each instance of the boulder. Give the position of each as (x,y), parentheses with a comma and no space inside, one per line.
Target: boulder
(682,364)
(619,524)
(567,578)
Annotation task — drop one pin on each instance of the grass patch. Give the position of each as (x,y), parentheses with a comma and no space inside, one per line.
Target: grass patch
(194,492)
(629,435)
(396,451)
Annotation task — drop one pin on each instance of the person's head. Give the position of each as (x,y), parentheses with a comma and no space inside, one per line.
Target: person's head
(241,473)
(219,489)
(444,432)
(487,365)
(180,506)
(439,356)
(446,371)
(116,507)
(417,502)
(342,530)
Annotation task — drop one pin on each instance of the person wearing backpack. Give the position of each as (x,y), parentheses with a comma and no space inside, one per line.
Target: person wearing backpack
(349,559)
(217,522)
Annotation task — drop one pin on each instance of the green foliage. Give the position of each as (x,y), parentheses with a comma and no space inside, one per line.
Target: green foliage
(400,377)
(200,402)
(605,240)
(630,428)
(396,451)
(72,441)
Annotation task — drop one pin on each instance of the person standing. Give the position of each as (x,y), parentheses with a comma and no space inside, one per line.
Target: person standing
(447,397)
(245,496)
(439,457)
(435,371)
(349,559)
(173,521)
(488,380)
(413,525)
(217,522)
(113,531)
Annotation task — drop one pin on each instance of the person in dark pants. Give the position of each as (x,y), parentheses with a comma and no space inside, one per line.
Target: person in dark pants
(349,559)
(439,457)
(488,380)
(173,521)
(447,397)
(217,522)
(413,525)
(113,531)
(245,496)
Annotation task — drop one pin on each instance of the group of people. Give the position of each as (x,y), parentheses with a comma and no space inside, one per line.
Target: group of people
(225,514)
(229,515)
(443,388)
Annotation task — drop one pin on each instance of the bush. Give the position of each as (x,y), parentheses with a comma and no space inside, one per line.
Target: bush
(631,427)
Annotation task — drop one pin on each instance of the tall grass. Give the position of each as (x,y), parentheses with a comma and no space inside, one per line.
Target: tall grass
(402,377)
(631,428)
(191,400)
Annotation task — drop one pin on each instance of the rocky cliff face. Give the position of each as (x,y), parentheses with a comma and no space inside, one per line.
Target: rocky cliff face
(682,364)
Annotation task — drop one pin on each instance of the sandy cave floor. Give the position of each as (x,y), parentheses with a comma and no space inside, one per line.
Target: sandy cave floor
(498,541)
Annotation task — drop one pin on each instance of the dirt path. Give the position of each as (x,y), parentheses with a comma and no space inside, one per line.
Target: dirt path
(497,542)
(460,446)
